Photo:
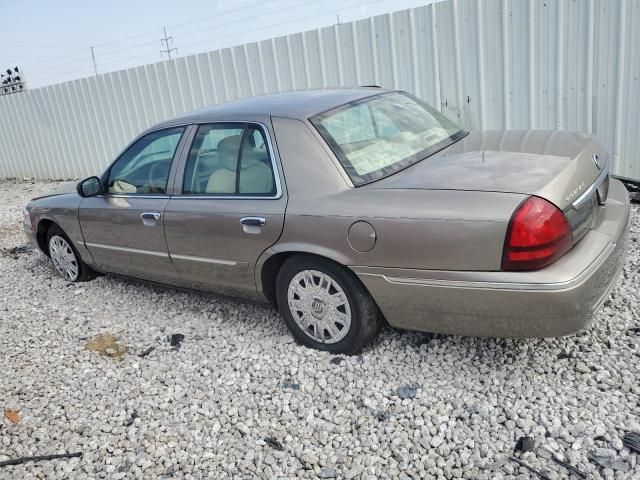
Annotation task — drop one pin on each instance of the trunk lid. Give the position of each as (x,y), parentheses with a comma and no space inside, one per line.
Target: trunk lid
(558,166)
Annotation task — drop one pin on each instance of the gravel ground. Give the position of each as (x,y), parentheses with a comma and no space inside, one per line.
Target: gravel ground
(239,399)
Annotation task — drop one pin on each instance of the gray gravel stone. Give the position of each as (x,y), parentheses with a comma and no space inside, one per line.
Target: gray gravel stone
(328,472)
(407,391)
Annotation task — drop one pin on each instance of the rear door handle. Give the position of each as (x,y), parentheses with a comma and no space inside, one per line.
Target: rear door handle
(253,225)
(150,218)
(253,221)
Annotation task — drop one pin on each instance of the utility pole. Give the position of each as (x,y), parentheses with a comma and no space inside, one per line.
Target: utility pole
(165,41)
(93,57)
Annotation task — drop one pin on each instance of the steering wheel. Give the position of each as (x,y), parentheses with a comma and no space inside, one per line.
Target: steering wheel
(157,172)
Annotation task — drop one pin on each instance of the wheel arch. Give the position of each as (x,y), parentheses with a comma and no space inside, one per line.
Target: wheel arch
(271,261)
(42,230)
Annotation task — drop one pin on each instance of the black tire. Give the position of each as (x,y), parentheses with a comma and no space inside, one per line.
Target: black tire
(85,273)
(365,315)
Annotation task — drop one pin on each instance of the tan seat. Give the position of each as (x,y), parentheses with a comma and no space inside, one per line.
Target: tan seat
(223,180)
(255,175)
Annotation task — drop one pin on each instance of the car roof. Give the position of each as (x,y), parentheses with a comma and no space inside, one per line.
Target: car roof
(300,104)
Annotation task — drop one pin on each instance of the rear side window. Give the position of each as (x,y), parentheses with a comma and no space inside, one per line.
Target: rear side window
(229,160)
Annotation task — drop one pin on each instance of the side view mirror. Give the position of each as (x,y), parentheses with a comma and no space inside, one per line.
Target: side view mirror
(89,187)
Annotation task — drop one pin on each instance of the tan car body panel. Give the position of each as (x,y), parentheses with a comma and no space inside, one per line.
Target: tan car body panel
(557,300)
(416,228)
(432,235)
(549,164)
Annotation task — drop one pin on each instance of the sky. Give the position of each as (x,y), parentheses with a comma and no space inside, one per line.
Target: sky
(50,40)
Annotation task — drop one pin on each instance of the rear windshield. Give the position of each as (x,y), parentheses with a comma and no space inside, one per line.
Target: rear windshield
(381,135)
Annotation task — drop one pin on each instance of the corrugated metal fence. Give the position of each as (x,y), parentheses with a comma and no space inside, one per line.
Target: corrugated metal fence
(516,64)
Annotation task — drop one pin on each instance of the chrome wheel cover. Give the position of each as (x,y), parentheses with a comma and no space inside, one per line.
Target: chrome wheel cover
(319,306)
(63,258)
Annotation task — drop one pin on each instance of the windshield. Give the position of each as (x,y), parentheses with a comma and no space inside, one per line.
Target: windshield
(378,136)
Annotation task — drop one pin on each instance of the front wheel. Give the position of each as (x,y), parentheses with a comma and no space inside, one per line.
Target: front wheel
(65,258)
(325,306)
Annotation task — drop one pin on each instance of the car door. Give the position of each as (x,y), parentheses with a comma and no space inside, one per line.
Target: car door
(123,228)
(228,208)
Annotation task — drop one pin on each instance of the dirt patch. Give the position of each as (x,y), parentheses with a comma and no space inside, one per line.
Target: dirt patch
(107,346)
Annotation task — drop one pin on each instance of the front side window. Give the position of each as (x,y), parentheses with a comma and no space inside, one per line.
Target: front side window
(381,135)
(144,166)
(227,160)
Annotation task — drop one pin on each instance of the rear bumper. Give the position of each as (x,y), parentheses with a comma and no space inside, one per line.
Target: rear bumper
(557,300)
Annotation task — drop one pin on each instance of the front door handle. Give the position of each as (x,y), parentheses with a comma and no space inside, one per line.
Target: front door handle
(150,218)
(253,221)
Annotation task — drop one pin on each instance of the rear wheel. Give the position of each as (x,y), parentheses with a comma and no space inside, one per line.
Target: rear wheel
(65,258)
(325,306)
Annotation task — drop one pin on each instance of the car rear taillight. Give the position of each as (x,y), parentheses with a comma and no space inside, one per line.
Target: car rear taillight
(538,235)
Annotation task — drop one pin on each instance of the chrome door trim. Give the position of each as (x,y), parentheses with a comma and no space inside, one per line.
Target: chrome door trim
(127,250)
(179,160)
(134,195)
(216,261)
(221,197)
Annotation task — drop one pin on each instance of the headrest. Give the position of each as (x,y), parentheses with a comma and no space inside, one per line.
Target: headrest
(228,151)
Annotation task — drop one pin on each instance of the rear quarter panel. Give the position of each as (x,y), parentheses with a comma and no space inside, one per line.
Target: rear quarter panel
(422,229)
(432,230)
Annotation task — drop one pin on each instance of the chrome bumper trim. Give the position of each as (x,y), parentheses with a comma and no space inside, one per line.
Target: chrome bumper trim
(428,282)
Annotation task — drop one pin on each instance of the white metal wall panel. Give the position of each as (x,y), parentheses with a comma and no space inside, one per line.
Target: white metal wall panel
(495,64)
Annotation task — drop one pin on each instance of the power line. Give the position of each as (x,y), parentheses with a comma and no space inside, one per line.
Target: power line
(222,14)
(234,22)
(284,23)
(217,25)
(166,38)
(27,57)
(66,55)
(139,45)
(178,25)
(129,48)
(144,44)
(84,69)
(48,68)
(222,25)
(84,59)
(58,74)
(58,45)
(38,44)
(123,39)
